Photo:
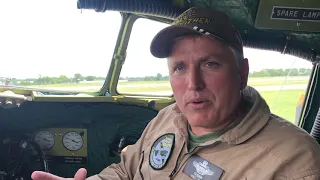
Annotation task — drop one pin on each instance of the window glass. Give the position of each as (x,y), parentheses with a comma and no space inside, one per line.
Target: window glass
(142,73)
(281,80)
(53,45)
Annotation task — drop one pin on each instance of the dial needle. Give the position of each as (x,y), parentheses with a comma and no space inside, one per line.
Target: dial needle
(73,140)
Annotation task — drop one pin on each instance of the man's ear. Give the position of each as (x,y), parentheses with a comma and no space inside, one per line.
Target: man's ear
(244,73)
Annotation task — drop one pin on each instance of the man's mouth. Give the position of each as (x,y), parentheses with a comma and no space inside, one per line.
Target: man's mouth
(199,103)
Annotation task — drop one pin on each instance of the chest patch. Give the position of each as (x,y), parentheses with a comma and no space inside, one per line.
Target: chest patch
(161,151)
(198,168)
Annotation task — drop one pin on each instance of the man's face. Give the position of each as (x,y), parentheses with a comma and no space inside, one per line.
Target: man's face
(205,80)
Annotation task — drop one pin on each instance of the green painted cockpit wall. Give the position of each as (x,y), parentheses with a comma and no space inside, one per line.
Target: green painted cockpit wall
(313,104)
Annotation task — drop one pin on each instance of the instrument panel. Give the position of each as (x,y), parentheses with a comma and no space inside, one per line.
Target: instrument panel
(63,145)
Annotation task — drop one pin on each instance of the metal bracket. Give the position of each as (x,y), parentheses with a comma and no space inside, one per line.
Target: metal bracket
(120,58)
(288,38)
(316,59)
(107,94)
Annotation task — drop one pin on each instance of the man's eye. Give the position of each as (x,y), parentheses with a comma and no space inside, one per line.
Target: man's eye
(212,64)
(179,68)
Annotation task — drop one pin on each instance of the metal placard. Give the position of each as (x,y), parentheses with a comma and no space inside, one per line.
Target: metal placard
(294,15)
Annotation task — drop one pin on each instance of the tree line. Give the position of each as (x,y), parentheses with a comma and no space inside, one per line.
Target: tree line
(77,78)
(262,73)
(42,80)
(281,72)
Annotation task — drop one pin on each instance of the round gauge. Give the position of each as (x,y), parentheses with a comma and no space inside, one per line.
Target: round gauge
(72,141)
(45,139)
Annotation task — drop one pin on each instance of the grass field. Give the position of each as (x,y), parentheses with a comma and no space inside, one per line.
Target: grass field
(284,105)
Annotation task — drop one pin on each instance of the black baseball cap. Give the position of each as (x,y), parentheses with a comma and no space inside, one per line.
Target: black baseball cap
(196,20)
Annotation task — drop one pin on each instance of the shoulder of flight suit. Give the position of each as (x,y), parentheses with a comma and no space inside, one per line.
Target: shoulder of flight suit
(294,147)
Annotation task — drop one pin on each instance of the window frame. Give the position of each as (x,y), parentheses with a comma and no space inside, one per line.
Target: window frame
(130,23)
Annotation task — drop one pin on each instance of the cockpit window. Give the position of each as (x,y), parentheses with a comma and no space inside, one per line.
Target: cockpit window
(53,45)
(142,73)
(281,80)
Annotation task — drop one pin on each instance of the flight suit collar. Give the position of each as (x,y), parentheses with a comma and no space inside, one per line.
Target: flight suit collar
(257,117)
(253,122)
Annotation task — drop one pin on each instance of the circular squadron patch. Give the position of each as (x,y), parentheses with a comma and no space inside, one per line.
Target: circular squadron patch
(161,151)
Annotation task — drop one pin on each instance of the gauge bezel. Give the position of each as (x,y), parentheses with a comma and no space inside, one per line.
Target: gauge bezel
(45,131)
(66,146)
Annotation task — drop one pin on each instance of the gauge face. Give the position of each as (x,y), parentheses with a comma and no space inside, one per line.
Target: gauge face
(45,139)
(72,141)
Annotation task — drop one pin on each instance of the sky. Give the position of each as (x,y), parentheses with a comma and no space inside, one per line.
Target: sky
(53,38)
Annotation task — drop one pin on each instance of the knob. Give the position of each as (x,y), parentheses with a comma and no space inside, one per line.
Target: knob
(8,102)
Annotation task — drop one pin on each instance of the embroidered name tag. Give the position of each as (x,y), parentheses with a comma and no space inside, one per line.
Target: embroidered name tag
(200,169)
(161,151)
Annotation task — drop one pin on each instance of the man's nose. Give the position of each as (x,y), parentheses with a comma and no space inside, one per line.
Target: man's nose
(196,82)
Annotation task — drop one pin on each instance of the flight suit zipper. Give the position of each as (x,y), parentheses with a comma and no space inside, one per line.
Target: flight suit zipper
(179,165)
(177,162)
(184,160)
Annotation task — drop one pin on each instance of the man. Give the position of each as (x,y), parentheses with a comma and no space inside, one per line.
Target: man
(218,128)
